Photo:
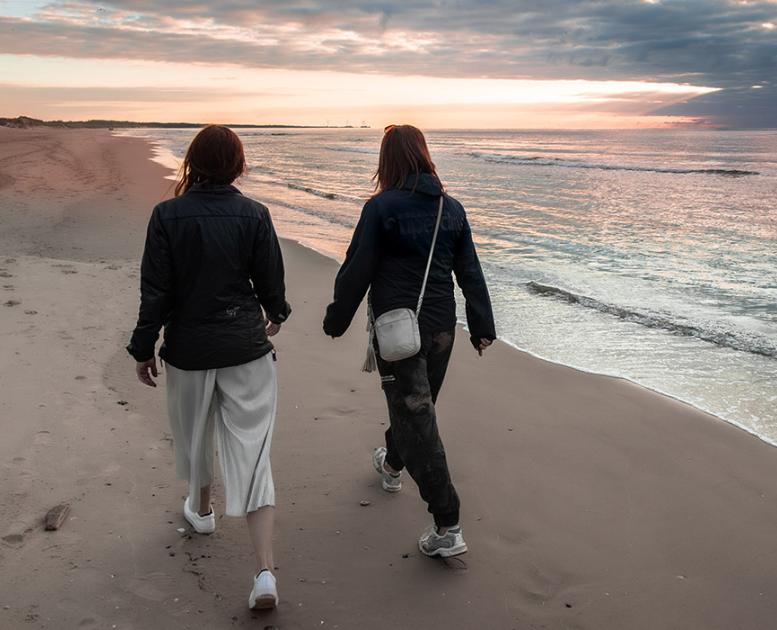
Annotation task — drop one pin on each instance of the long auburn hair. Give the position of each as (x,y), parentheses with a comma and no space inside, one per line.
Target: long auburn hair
(403,153)
(215,156)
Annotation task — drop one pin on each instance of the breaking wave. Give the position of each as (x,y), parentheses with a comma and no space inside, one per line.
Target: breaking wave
(352,150)
(326,194)
(314,191)
(563,163)
(712,333)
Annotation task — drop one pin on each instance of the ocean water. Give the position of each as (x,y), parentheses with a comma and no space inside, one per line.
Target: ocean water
(649,254)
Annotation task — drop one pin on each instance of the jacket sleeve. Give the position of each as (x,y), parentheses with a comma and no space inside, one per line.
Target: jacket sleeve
(356,273)
(469,276)
(267,272)
(156,290)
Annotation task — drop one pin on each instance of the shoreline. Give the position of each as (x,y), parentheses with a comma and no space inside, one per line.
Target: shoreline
(463,326)
(167,160)
(691,404)
(588,502)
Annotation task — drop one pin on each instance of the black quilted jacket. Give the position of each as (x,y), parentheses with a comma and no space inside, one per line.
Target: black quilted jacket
(211,264)
(388,254)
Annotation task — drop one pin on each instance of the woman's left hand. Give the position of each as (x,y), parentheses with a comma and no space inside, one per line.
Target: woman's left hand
(272,329)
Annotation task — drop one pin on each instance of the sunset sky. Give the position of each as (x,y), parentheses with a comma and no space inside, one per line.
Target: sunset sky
(519,64)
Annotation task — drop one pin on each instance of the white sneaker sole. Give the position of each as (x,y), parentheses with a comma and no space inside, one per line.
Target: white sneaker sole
(443,552)
(204,532)
(388,488)
(196,527)
(264,602)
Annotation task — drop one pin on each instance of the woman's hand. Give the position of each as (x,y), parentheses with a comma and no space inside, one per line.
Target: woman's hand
(484,343)
(272,329)
(143,369)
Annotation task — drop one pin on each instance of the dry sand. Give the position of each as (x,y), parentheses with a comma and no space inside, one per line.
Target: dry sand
(588,502)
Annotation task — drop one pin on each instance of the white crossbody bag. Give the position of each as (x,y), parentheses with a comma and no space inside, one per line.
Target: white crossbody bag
(397,330)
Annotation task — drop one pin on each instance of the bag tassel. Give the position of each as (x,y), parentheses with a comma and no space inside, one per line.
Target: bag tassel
(371,361)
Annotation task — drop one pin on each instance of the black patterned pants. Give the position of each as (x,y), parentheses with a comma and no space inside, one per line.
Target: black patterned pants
(412,439)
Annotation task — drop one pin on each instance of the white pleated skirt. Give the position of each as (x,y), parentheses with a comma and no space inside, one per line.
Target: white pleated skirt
(238,405)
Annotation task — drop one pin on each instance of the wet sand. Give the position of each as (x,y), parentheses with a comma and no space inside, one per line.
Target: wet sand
(587,501)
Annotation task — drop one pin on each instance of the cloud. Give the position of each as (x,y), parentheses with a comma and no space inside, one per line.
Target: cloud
(706,42)
(726,44)
(737,108)
(49,95)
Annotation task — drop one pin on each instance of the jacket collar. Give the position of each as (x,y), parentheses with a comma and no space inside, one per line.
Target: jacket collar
(425,183)
(217,189)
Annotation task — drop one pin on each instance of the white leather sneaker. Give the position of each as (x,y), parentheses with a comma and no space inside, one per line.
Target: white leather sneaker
(264,595)
(201,524)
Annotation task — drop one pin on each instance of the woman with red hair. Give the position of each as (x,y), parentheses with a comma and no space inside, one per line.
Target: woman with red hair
(212,276)
(410,239)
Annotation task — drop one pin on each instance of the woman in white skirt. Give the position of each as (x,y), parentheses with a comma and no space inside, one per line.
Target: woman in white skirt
(212,276)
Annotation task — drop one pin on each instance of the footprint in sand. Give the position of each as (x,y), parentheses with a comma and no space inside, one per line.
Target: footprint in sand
(9,287)
(5,274)
(457,565)
(154,587)
(65,268)
(42,438)
(541,585)
(14,539)
(12,303)
(87,622)
(6,180)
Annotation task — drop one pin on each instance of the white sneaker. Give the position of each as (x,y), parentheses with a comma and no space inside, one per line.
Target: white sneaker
(389,482)
(264,595)
(201,524)
(451,543)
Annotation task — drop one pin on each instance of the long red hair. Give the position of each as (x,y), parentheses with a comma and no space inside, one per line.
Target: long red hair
(215,156)
(403,154)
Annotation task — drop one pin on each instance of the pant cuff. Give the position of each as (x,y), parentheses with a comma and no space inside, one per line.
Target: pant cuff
(394,463)
(449,519)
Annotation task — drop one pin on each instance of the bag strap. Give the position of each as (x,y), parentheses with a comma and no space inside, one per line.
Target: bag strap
(431,254)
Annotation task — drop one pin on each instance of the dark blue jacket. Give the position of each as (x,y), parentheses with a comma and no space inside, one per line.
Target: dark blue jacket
(388,254)
(211,264)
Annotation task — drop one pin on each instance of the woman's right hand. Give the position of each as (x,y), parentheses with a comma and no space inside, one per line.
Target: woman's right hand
(144,371)
(272,329)
(484,343)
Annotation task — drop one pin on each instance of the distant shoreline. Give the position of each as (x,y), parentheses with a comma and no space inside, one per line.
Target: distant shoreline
(24,122)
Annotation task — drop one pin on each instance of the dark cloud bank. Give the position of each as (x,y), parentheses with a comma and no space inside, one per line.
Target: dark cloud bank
(717,43)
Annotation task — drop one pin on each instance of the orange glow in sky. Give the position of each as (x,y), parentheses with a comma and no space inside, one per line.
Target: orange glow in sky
(51,87)
(315,62)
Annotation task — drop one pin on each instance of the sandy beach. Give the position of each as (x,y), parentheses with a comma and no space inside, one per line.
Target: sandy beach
(588,502)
